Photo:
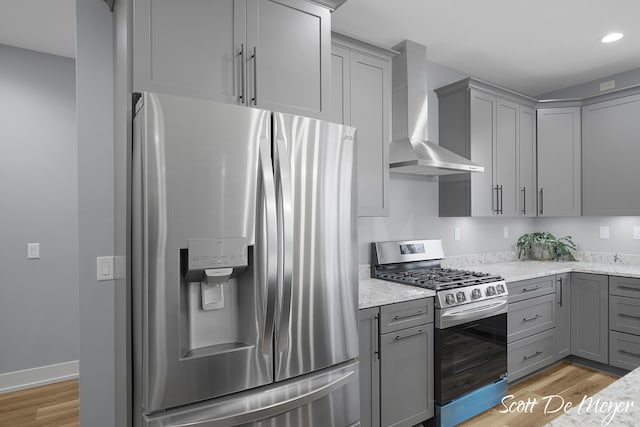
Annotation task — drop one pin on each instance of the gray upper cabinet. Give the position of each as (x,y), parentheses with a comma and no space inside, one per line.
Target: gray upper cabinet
(496,129)
(559,162)
(361,97)
(527,164)
(236,51)
(611,151)
(590,316)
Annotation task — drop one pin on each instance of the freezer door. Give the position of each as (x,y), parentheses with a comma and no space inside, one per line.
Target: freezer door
(323,399)
(314,166)
(202,200)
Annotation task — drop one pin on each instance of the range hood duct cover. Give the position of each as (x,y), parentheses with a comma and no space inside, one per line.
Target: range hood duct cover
(410,151)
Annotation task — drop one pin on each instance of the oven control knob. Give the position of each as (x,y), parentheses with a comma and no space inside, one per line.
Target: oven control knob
(491,291)
(500,289)
(475,294)
(460,296)
(450,299)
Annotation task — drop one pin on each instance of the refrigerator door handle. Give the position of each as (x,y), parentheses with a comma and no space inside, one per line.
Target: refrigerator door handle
(268,220)
(285,239)
(257,406)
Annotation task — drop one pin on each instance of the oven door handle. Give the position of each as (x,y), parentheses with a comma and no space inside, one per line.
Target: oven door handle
(457,317)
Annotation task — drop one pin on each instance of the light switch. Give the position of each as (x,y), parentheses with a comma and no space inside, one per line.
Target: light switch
(505,232)
(636,233)
(604,232)
(456,233)
(105,267)
(33,250)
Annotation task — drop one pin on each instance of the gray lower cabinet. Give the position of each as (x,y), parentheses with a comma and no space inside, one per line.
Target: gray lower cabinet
(236,51)
(369,367)
(531,325)
(624,322)
(406,363)
(559,162)
(589,316)
(563,315)
(361,97)
(610,149)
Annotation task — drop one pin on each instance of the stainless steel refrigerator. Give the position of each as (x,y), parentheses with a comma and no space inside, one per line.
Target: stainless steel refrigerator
(245,283)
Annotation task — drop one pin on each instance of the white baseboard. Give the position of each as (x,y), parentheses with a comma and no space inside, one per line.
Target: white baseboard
(18,380)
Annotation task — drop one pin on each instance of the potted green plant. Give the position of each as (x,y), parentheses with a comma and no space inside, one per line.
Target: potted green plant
(543,245)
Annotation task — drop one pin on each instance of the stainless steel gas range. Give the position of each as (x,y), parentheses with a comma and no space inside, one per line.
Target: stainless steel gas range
(470,363)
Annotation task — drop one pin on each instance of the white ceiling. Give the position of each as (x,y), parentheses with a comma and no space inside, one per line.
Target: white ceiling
(530,46)
(43,25)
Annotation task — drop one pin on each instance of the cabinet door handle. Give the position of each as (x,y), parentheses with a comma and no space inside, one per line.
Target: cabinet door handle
(629,353)
(537,353)
(530,289)
(242,74)
(629,288)
(524,319)
(524,200)
(501,201)
(376,335)
(255,77)
(541,201)
(402,337)
(497,190)
(560,280)
(406,316)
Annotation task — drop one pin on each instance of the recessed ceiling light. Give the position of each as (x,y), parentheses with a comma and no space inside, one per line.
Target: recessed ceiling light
(612,37)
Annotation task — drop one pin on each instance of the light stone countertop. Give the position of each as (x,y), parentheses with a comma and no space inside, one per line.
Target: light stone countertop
(374,292)
(616,405)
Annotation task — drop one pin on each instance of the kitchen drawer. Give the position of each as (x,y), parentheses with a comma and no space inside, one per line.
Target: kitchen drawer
(525,289)
(530,354)
(624,314)
(405,315)
(624,286)
(530,316)
(624,350)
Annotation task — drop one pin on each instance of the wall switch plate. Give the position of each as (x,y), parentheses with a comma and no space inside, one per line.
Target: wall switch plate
(604,232)
(608,85)
(105,267)
(456,233)
(33,250)
(505,232)
(636,233)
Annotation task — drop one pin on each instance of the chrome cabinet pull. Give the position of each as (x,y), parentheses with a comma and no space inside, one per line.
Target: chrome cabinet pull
(418,313)
(255,77)
(501,200)
(541,201)
(524,200)
(629,288)
(376,335)
(401,337)
(524,319)
(629,353)
(497,190)
(537,353)
(560,280)
(242,74)
(631,316)
(530,289)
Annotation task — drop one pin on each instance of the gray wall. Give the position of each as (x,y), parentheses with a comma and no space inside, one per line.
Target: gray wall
(413,203)
(626,79)
(95,103)
(38,193)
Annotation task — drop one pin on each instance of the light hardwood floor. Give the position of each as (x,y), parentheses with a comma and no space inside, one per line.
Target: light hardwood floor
(569,381)
(53,405)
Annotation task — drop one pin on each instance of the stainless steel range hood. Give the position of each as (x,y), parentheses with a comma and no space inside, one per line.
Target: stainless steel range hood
(411,152)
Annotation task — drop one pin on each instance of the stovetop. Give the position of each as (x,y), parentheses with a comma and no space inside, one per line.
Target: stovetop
(438,278)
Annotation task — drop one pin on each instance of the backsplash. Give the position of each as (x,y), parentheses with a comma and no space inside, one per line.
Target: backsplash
(607,258)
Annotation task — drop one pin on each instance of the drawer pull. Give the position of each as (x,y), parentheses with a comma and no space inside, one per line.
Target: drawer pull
(530,289)
(537,353)
(629,288)
(407,316)
(401,337)
(524,319)
(632,316)
(628,353)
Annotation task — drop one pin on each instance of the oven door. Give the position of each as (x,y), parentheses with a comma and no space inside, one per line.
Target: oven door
(470,355)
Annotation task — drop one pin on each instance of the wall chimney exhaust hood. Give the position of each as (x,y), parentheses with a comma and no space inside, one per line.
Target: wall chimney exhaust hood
(410,151)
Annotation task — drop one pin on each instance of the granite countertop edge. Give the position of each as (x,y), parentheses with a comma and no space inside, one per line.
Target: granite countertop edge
(374,292)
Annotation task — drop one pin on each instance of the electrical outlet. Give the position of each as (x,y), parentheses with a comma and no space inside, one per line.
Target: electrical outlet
(604,232)
(105,267)
(636,233)
(505,232)
(456,233)
(33,250)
